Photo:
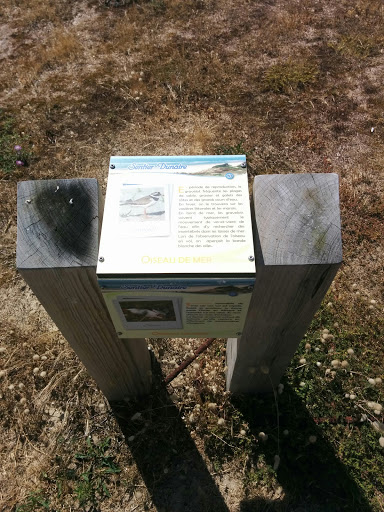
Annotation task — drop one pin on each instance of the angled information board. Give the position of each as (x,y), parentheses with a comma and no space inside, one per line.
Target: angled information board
(176,254)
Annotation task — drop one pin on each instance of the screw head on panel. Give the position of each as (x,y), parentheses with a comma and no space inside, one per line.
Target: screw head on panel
(112,166)
(101,259)
(251,258)
(119,333)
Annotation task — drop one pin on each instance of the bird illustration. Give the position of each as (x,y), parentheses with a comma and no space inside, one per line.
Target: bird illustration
(144,202)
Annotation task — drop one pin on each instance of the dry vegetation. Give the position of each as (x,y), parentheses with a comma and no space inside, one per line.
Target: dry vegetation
(298,86)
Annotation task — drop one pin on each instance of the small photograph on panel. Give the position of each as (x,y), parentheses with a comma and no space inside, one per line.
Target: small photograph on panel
(149,312)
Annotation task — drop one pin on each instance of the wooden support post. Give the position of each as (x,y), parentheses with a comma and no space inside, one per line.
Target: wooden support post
(58,226)
(298,251)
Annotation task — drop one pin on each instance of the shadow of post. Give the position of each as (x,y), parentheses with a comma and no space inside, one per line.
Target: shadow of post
(172,468)
(312,477)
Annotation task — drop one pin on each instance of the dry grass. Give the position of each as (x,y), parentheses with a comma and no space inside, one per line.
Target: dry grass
(298,86)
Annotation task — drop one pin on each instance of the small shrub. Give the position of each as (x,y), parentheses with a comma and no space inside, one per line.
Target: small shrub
(97,465)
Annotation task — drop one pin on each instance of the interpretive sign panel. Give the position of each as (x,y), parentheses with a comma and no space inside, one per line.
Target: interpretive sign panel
(176,253)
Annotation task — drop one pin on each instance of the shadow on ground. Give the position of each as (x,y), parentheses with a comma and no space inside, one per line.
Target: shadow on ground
(311,476)
(176,476)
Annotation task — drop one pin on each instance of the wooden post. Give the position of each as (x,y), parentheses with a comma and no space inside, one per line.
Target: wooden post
(298,251)
(58,226)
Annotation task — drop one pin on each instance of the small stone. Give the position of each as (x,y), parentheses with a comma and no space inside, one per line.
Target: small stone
(302,384)
(325,331)
(36,370)
(242,432)
(11,387)
(344,364)
(263,436)
(329,305)
(335,363)
(350,351)
(378,380)
(354,286)
(220,421)
(307,346)
(276,462)
(352,396)
(20,385)
(26,411)
(373,301)
(36,357)
(327,371)
(2,373)
(44,358)
(317,349)
(2,350)
(381,441)
(23,401)
(346,395)
(286,432)
(336,324)
(212,406)
(371,382)
(43,374)
(378,426)
(318,364)
(375,406)
(302,360)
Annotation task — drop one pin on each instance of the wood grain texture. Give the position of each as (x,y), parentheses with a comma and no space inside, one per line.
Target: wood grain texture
(60,268)
(298,218)
(292,275)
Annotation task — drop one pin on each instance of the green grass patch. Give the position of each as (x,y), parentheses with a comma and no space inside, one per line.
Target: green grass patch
(286,77)
(35,501)
(358,45)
